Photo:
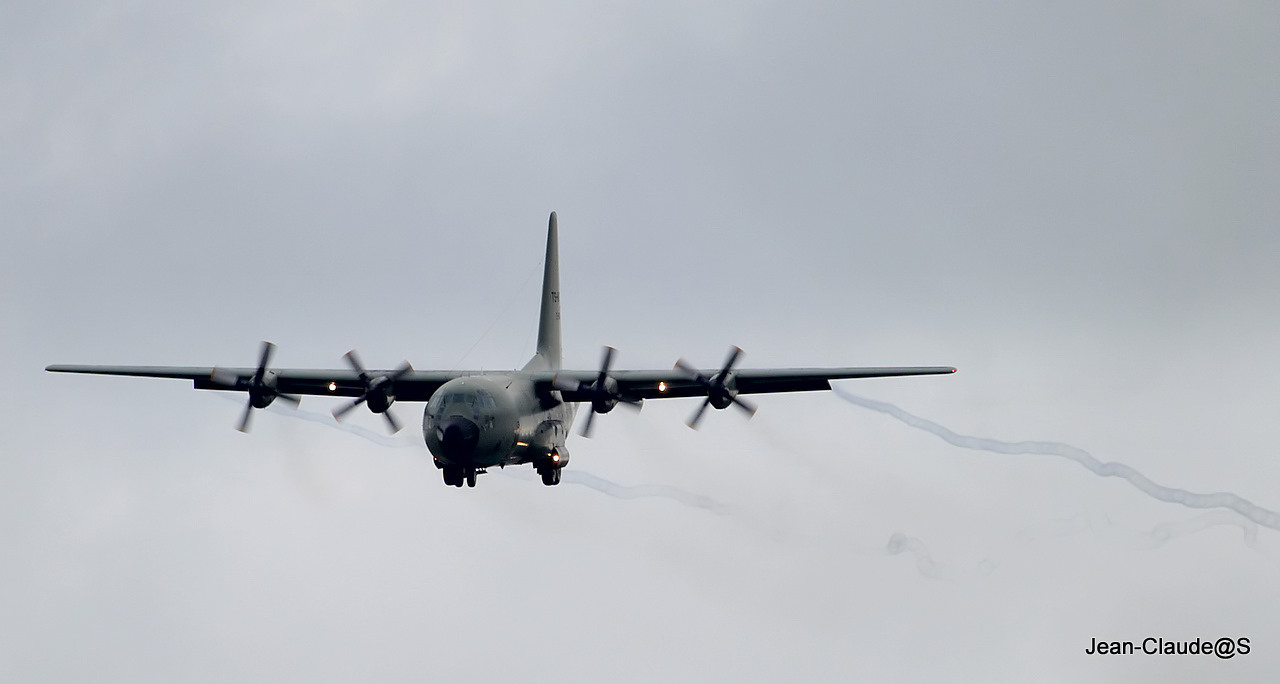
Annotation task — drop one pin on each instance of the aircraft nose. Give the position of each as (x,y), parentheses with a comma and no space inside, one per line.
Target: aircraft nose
(458,437)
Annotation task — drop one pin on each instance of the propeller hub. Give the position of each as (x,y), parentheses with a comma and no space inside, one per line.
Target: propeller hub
(721,388)
(261,386)
(261,397)
(380,400)
(262,390)
(377,393)
(602,394)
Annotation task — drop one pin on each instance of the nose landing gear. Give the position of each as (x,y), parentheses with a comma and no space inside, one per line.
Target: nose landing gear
(454,475)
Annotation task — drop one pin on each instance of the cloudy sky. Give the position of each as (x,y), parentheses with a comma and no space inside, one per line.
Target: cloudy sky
(1074,204)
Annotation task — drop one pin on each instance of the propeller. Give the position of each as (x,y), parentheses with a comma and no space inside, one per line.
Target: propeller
(721,388)
(377,391)
(261,386)
(603,393)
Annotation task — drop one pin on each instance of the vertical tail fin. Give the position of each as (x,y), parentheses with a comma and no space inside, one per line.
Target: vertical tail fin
(548,354)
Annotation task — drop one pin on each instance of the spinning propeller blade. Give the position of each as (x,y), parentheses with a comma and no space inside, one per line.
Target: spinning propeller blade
(602,394)
(377,393)
(261,386)
(721,390)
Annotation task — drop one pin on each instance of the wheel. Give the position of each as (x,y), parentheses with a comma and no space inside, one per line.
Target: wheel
(557,476)
(471,477)
(550,476)
(453,476)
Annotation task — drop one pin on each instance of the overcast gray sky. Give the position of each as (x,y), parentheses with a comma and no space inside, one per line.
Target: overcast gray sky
(1075,204)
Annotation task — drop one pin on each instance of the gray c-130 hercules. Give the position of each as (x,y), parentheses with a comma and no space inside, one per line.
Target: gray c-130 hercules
(476,419)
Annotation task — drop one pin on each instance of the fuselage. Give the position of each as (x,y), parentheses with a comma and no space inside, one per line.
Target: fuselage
(481,421)
(475,420)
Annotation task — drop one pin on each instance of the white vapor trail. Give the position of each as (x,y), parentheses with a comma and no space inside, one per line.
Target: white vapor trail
(1244,507)
(399,441)
(901,543)
(621,491)
(577,477)
(644,491)
(925,564)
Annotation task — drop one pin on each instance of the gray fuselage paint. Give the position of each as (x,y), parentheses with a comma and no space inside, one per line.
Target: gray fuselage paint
(516,423)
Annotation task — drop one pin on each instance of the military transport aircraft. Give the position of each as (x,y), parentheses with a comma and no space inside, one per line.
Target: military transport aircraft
(477,419)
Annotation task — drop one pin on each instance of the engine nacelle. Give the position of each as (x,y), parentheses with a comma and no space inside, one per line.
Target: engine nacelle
(379,400)
(607,398)
(722,392)
(262,394)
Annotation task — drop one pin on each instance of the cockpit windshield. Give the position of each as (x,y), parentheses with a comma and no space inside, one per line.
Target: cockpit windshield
(471,404)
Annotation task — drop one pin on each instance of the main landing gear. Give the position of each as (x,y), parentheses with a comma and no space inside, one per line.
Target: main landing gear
(550,476)
(454,475)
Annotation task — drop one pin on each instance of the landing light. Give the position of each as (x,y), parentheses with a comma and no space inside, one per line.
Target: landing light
(662,387)
(333,386)
(555,458)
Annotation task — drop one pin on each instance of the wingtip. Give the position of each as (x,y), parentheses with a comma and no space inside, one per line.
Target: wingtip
(65,368)
(60,368)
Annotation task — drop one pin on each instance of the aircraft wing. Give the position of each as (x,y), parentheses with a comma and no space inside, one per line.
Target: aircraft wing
(417,385)
(636,384)
(412,385)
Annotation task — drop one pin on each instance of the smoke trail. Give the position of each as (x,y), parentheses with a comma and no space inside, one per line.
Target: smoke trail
(1162,533)
(1159,535)
(644,491)
(901,543)
(328,420)
(1156,537)
(578,477)
(1228,500)
(621,491)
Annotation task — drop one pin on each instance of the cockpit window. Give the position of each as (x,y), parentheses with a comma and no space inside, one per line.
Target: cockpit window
(479,405)
(459,403)
(439,402)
